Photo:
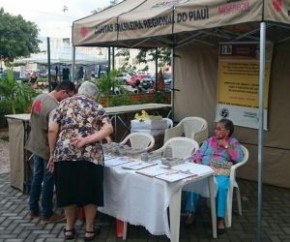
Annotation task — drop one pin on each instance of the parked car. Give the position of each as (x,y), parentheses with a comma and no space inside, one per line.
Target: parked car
(148,83)
(137,79)
(123,78)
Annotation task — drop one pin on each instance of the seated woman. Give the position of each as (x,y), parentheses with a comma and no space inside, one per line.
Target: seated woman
(220,152)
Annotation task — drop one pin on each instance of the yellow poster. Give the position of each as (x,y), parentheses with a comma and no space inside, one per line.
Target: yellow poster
(238,83)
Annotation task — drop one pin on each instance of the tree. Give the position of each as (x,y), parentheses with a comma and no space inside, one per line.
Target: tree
(18,37)
(163,55)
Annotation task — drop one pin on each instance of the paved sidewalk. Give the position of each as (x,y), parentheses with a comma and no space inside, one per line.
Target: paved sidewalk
(15,225)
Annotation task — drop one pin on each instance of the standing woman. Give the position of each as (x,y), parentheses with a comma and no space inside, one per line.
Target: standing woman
(76,130)
(220,152)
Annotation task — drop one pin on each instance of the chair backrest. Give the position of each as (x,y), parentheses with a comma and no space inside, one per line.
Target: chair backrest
(192,127)
(178,147)
(195,128)
(169,122)
(142,141)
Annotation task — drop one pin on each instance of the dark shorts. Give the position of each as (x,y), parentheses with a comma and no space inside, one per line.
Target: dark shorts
(79,183)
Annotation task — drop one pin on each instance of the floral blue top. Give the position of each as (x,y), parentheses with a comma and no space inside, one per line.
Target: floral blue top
(210,150)
(79,116)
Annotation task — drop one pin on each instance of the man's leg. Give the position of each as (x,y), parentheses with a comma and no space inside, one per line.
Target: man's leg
(47,197)
(36,186)
(47,192)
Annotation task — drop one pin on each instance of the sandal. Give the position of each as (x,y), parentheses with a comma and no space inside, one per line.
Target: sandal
(69,234)
(190,220)
(94,233)
(221,226)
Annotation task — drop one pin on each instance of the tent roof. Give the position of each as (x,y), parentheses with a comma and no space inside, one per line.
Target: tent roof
(64,56)
(154,23)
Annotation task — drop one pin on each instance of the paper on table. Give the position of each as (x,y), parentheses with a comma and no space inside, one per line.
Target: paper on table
(175,175)
(111,162)
(153,171)
(137,165)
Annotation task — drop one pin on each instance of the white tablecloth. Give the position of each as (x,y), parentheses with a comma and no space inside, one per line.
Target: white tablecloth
(143,200)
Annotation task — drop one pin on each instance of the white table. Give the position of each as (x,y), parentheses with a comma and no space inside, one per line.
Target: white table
(143,200)
(116,112)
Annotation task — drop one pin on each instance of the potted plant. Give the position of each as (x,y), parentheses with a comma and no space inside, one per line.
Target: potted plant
(16,94)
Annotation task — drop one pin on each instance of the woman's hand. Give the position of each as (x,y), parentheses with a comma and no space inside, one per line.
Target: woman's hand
(50,164)
(223,143)
(78,141)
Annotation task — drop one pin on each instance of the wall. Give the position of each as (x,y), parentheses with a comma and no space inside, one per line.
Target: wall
(196,77)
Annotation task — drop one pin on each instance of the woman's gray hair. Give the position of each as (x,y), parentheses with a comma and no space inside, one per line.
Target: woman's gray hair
(88,89)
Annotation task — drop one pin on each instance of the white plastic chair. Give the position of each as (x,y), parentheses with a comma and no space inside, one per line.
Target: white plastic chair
(178,147)
(234,185)
(192,127)
(142,141)
(169,122)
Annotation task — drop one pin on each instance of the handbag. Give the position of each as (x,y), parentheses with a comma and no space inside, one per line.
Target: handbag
(221,168)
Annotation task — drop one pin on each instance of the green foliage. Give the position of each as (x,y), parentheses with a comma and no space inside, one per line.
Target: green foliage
(119,100)
(18,37)
(160,97)
(108,82)
(163,55)
(5,108)
(18,95)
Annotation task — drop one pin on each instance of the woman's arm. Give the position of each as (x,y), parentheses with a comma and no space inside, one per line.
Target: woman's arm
(197,156)
(235,150)
(104,132)
(53,129)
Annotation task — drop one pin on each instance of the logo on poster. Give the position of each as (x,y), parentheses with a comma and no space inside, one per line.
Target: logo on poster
(224,112)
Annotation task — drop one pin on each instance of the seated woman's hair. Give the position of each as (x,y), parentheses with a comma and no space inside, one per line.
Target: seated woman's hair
(229,125)
(88,89)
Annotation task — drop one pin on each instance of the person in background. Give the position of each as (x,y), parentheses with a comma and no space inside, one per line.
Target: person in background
(220,152)
(76,155)
(33,79)
(42,184)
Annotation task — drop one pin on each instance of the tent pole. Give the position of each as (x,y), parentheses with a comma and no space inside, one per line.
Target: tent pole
(110,58)
(48,64)
(173,81)
(156,68)
(113,58)
(261,127)
(73,64)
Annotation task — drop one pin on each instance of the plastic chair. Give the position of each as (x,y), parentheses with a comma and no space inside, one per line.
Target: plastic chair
(169,122)
(142,141)
(192,127)
(234,185)
(177,147)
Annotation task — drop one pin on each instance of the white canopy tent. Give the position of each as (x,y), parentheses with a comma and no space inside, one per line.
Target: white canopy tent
(194,29)
(64,56)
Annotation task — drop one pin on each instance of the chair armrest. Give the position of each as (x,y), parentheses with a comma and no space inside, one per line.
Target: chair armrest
(176,131)
(201,136)
(158,151)
(235,167)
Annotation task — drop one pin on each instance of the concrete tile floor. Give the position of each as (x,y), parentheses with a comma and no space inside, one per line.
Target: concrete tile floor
(16,227)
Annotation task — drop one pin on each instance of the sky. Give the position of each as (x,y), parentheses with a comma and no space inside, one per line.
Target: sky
(50,16)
